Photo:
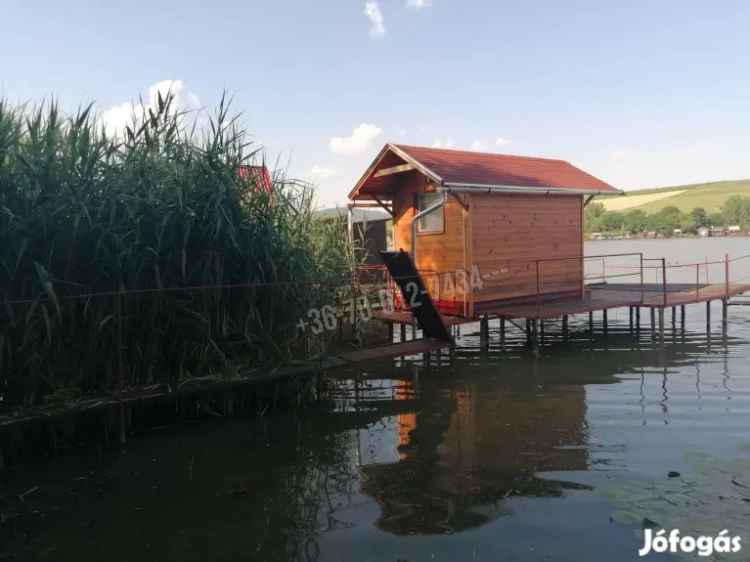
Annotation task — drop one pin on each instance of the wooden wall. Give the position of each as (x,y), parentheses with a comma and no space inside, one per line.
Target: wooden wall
(501,235)
(509,231)
(439,256)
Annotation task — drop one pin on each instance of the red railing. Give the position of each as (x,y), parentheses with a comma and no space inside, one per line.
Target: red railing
(544,279)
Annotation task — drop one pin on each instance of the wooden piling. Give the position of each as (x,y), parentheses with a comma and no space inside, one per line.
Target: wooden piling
(390,332)
(708,317)
(565,327)
(682,318)
(123,424)
(661,323)
(591,322)
(403,331)
(484,329)
(638,319)
(653,319)
(605,321)
(630,318)
(502,332)
(724,314)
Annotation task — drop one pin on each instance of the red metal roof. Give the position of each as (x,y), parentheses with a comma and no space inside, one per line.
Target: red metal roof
(469,169)
(481,168)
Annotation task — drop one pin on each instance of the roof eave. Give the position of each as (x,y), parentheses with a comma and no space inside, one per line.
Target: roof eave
(401,154)
(494,188)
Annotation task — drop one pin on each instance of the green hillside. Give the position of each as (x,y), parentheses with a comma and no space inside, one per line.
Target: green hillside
(710,196)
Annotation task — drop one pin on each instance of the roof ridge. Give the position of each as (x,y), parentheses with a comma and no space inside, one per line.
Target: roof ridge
(467,151)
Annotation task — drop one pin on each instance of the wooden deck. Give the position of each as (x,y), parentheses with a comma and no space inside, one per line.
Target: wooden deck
(597,297)
(413,347)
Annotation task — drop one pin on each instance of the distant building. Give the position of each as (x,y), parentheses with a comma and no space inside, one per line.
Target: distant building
(370,227)
(258,174)
(677,232)
(734,229)
(704,232)
(718,231)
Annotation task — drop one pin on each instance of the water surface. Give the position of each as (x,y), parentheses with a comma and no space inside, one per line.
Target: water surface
(475,455)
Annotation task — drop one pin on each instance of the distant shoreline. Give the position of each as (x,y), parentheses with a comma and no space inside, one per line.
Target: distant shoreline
(681,237)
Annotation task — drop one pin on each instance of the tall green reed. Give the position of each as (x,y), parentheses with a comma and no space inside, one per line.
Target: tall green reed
(134,217)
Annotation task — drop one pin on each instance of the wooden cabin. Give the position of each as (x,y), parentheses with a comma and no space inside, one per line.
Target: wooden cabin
(488,228)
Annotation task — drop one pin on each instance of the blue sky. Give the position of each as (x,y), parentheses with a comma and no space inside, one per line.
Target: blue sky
(638,93)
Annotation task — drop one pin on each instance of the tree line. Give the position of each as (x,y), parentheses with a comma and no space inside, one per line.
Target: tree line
(735,211)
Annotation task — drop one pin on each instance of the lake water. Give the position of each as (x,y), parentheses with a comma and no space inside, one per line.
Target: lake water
(482,455)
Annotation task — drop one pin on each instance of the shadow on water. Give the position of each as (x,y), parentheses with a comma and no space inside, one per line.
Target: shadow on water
(473,454)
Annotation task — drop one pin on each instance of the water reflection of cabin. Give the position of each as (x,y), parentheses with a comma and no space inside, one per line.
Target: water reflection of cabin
(490,214)
(463,453)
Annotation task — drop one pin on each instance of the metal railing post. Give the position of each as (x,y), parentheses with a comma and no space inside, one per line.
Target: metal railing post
(726,273)
(538,287)
(697,280)
(642,285)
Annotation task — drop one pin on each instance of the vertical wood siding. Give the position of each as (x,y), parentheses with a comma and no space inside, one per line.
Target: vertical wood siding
(510,231)
(439,256)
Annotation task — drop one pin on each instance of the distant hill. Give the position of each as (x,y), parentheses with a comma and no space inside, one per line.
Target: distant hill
(710,196)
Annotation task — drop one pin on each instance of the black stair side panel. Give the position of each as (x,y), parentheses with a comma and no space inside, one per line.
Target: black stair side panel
(415,294)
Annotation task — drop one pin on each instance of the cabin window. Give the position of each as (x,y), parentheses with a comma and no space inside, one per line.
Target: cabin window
(431,223)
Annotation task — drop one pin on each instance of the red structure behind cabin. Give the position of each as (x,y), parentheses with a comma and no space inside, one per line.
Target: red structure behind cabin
(490,217)
(258,174)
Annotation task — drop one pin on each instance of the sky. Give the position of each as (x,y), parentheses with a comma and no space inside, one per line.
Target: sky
(640,94)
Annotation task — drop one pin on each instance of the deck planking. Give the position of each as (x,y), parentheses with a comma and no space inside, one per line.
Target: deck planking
(596,298)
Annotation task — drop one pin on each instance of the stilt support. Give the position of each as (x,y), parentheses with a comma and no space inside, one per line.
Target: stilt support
(661,324)
(484,332)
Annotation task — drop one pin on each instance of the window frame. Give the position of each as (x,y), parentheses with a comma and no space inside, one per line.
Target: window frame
(430,232)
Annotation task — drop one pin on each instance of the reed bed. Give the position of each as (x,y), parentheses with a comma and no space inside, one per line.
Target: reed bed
(146,258)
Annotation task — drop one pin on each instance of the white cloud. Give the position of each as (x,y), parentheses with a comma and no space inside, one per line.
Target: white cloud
(444,143)
(418,4)
(501,141)
(359,141)
(477,146)
(116,118)
(377,23)
(321,172)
